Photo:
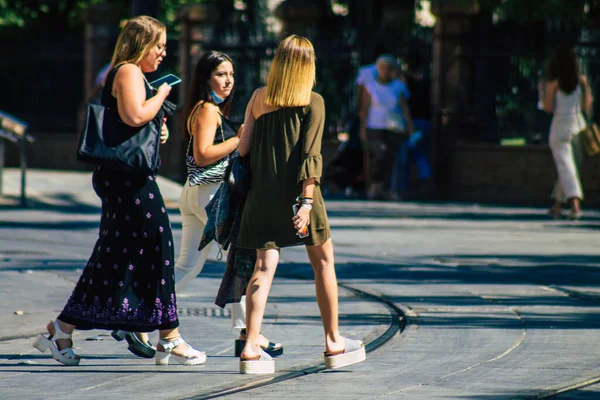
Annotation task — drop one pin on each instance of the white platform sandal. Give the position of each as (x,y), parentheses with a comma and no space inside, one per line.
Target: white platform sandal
(263,364)
(353,353)
(64,356)
(191,357)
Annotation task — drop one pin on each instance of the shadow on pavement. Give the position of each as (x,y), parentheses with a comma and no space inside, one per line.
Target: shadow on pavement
(63,225)
(452,213)
(65,202)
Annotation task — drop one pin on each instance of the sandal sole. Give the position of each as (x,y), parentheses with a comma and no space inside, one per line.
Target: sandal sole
(139,349)
(344,360)
(257,367)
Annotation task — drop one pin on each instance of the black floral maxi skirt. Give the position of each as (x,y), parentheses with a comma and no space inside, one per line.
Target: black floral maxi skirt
(128,282)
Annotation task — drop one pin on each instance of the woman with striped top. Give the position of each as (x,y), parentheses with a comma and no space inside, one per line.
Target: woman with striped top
(212,139)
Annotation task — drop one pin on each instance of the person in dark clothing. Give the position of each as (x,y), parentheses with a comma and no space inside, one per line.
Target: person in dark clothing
(416,148)
(128,283)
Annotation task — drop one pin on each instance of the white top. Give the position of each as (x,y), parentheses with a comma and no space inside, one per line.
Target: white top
(568,104)
(567,117)
(366,74)
(384,99)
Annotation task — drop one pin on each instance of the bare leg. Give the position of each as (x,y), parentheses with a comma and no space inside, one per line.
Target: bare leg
(575,204)
(143,336)
(557,205)
(238,318)
(256,299)
(322,259)
(66,328)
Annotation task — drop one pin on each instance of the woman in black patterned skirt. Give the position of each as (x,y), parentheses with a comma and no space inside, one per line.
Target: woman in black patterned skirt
(128,282)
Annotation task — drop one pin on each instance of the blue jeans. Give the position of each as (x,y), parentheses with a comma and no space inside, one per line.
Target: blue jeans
(414,149)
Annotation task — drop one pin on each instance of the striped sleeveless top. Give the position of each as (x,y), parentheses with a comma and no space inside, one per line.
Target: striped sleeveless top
(213,173)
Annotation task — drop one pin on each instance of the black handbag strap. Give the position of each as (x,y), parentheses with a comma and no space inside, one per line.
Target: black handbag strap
(107,97)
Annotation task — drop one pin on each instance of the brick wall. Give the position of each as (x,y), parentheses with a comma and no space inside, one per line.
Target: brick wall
(484,173)
(513,175)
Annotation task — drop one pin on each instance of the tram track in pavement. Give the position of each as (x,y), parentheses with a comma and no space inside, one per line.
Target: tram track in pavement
(545,393)
(403,315)
(397,325)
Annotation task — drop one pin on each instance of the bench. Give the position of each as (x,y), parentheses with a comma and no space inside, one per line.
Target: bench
(15,131)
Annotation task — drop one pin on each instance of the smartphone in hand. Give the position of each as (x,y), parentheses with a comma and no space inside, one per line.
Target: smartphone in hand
(170,79)
(304,232)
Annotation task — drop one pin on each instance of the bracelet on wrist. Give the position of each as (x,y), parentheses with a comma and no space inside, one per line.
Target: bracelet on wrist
(301,199)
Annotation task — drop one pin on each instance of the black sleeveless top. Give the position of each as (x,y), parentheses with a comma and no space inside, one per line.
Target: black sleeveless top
(108,99)
(122,129)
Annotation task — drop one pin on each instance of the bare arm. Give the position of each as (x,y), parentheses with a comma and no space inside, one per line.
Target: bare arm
(308,187)
(359,97)
(302,218)
(586,96)
(249,121)
(130,90)
(364,112)
(549,96)
(407,114)
(204,126)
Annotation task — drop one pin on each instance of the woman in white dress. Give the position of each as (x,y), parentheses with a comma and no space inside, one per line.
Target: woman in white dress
(566,95)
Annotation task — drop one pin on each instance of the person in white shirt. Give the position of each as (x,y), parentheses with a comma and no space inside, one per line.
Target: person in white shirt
(385,122)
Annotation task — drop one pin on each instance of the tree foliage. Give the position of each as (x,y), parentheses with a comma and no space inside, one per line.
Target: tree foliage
(527,11)
(23,13)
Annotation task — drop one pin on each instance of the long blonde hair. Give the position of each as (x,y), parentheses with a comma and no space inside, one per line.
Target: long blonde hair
(293,73)
(136,40)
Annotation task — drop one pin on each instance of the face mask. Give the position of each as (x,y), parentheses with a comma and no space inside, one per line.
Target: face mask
(216,98)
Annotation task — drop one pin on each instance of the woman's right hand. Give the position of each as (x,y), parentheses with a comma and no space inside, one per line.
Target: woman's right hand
(164,90)
(240,131)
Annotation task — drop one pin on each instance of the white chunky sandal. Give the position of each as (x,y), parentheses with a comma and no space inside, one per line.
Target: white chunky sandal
(263,364)
(191,357)
(353,353)
(64,356)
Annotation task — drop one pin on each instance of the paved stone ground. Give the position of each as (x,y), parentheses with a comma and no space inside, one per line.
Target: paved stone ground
(501,303)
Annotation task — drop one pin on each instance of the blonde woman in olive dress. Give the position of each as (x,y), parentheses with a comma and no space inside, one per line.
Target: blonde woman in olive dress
(282,136)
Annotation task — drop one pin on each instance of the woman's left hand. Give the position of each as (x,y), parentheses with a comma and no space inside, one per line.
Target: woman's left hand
(301,219)
(164,132)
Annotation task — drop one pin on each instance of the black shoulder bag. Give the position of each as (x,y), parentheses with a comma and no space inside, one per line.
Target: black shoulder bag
(108,141)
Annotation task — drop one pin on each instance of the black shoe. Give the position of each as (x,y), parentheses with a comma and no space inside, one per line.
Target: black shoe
(136,346)
(273,349)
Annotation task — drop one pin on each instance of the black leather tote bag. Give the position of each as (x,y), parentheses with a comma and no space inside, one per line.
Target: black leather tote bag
(107,141)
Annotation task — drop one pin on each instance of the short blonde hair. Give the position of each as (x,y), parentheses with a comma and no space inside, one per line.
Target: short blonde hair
(293,73)
(136,40)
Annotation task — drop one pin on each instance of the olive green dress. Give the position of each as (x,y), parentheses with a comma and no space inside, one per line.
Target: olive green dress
(285,150)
